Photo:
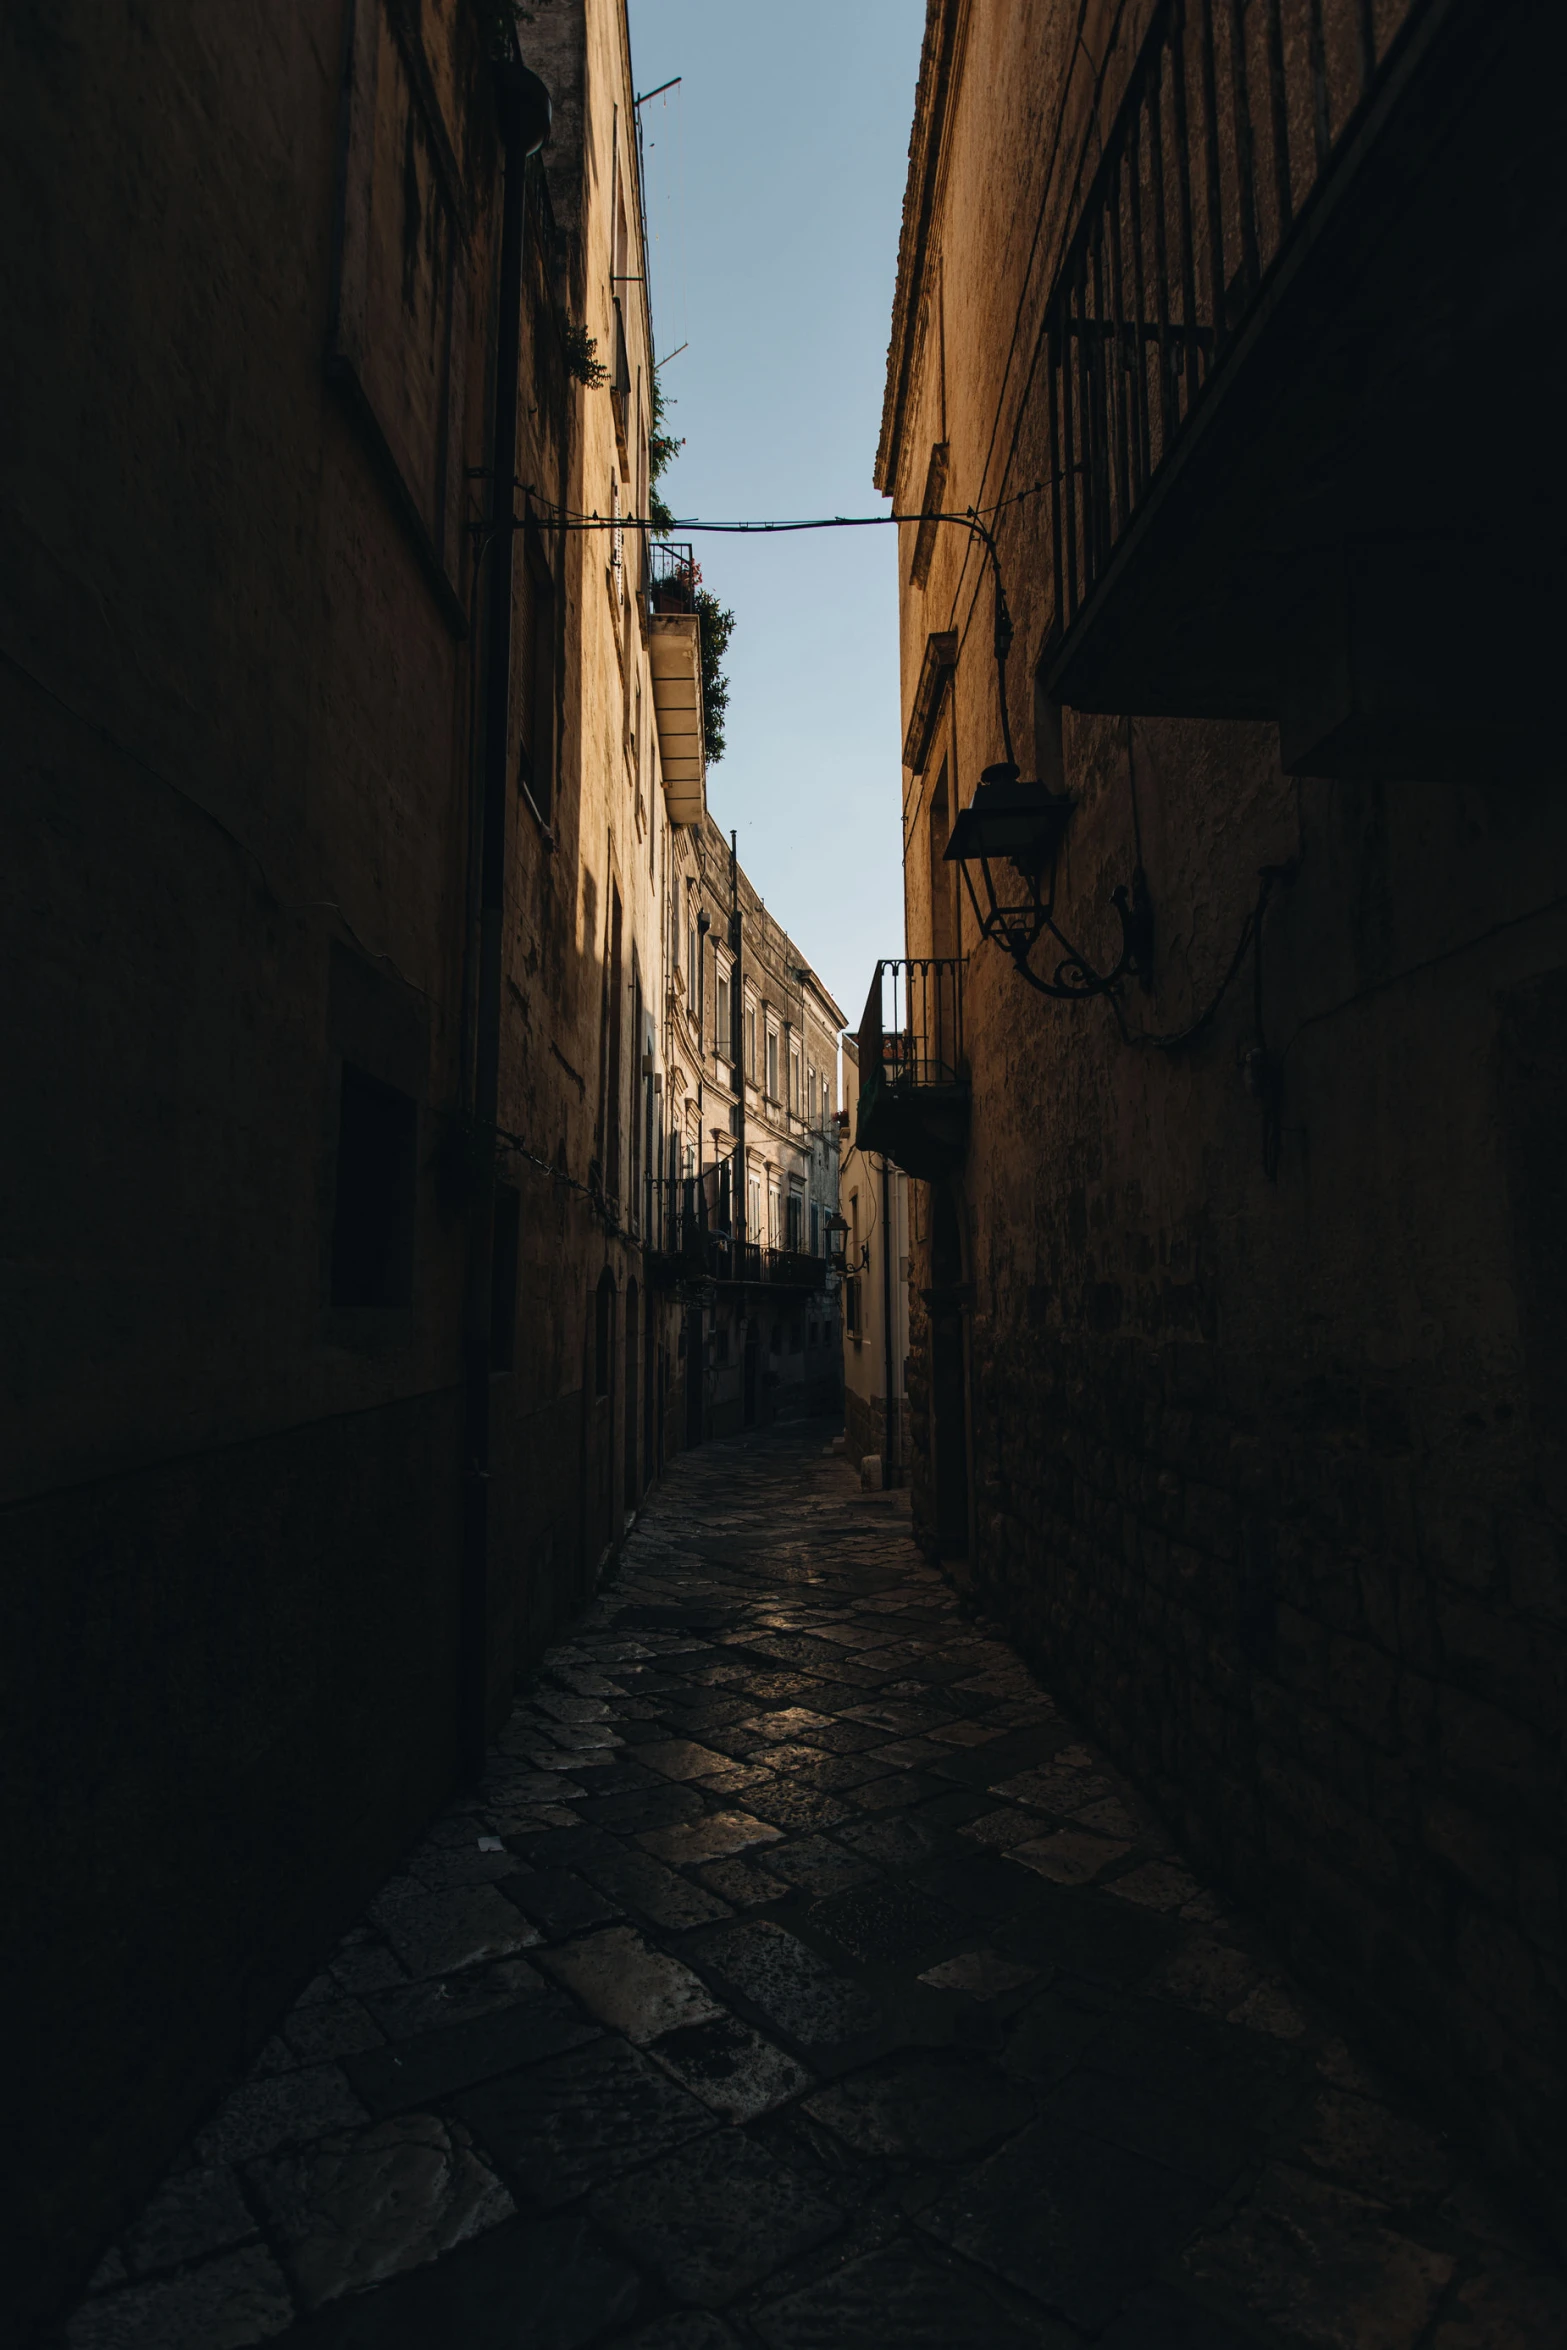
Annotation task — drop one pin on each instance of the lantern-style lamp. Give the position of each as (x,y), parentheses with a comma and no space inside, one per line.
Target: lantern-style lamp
(1009,837)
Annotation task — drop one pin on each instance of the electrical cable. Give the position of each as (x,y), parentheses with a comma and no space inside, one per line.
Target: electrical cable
(1174,1040)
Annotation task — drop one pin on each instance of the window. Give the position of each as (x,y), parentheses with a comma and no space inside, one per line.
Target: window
(794,1077)
(851,1308)
(753,1211)
(400,362)
(373,1220)
(816,1231)
(774,1216)
(723,1042)
(750,1042)
(772,1064)
(796,1217)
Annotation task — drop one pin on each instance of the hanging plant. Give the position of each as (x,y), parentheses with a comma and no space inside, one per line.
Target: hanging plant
(581,355)
(717,627)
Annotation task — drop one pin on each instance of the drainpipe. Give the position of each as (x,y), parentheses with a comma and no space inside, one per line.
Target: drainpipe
(523,106)
(890,1445)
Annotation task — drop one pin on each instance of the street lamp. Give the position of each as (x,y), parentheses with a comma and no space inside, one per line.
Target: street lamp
(1010,834)
(837,1229)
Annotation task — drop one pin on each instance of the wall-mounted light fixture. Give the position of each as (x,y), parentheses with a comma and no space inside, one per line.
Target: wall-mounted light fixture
(1010,835)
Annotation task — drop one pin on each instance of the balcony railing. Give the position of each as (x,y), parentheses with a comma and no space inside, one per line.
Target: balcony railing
(914,1093)
(672,576)
(1232,114)
(692,1238)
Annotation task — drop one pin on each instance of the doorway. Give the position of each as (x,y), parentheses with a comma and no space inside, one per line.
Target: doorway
(948,1378)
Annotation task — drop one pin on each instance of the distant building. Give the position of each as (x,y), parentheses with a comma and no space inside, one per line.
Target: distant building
(749,1179)
(874,1202)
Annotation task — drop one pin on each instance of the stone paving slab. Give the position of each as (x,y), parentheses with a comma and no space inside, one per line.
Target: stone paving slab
(798,1978)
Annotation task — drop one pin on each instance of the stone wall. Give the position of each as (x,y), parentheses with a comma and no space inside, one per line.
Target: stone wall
(1263,1354)
(243,660)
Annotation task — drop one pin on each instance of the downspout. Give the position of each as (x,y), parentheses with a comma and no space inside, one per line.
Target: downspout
(890,1446)
(523,107)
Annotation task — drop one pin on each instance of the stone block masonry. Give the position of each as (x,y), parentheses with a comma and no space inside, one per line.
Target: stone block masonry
(800,1975)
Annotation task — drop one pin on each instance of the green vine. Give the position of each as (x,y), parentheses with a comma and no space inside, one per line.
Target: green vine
(717,627)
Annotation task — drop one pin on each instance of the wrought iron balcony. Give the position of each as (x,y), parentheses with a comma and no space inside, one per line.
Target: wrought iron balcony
(1276,339)
(672,576)
(675,657)
(914,1088)
(693,1238)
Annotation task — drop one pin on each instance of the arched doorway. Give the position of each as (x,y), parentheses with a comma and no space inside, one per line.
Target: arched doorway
(948,1376)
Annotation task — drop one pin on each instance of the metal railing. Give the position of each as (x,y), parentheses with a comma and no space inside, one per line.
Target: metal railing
(911,1031)
(1232,113)
(672,576)
(691,1227)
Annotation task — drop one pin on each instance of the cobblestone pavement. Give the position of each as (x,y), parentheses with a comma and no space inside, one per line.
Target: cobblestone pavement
(800,1979)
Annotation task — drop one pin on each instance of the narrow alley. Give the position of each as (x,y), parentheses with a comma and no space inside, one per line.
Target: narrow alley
(798,1977)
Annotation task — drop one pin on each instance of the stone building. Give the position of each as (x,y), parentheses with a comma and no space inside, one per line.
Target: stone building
(873,1193)
(341,819)
(749,1177)
(1237,1303)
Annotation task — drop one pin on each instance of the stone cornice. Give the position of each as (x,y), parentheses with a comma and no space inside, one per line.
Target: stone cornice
(945,24)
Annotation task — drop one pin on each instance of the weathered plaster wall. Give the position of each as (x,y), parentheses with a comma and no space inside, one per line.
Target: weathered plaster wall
(1264,1471)
(237,709)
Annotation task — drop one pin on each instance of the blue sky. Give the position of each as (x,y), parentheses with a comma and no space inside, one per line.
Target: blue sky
(774,191)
